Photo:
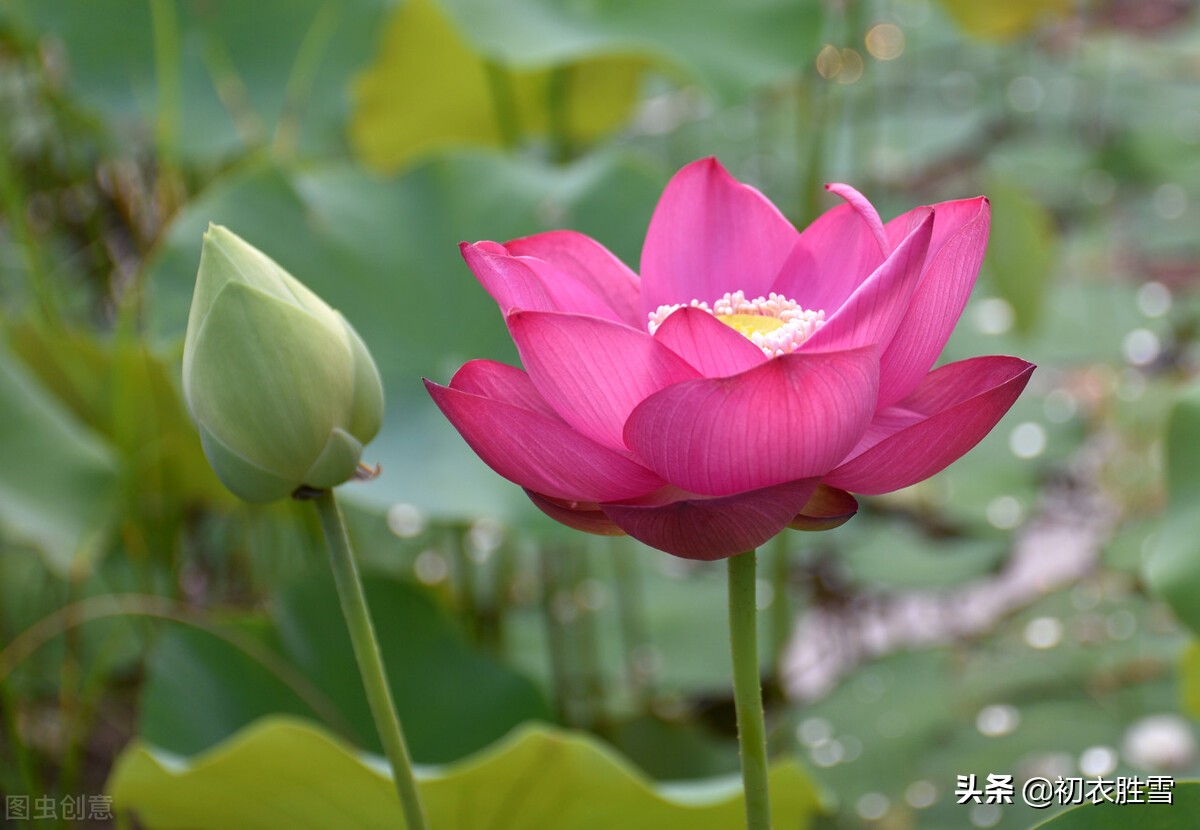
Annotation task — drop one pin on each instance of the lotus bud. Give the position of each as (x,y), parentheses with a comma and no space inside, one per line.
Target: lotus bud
(282,389)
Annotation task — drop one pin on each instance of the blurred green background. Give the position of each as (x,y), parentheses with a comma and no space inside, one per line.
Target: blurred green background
(1027,612)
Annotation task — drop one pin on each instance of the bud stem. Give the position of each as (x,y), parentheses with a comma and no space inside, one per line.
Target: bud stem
(747,689)
(366,651)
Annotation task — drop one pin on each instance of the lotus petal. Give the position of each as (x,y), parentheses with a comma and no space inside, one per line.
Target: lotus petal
(593,372)
(947,415)
(716,528)
(709,235)
(792,417)
(541,453)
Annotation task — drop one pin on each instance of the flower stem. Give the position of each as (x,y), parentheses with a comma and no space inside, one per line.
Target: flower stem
(366,651)
(747,689)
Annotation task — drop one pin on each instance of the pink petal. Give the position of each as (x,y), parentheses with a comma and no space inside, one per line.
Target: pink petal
(866,211)
(711,347)
(591,371)
(960,233)
(530,284)
(792,417)
(875,310)
(699,528)
(593,265)
(500,382)
(832,257)
(709,235)
(828,508)
(585,516)
(541,453)
(957,404)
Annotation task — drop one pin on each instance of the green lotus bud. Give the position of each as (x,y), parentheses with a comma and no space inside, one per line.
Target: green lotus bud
(283,390)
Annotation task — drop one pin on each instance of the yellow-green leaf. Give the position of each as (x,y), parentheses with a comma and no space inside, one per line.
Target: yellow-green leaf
(1002,21)
(1179,814)
(1021,253)
(282,772)
(428,87)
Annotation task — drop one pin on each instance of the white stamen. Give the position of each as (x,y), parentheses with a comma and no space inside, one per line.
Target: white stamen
(798,323)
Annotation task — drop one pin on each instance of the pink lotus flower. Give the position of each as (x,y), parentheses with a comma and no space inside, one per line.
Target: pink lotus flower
(750,379)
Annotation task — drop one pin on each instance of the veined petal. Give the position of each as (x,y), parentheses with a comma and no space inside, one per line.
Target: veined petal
(711,234)
(831,258)
(949,217)
(593,265)
(501,382)
(874,311)
(957,405)
(695,527)
(528,283)
(960,233)
(585,516)
(593,372)
(793,417)
(541,453)
(711,347)
(866,211)
(828,508)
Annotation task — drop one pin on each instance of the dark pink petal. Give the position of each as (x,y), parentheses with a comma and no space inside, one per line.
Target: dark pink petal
(960,233)
(591,264)
(949,219)
(525,283)
(832,257)
(585,516)
(711,347)
(500,382)
(699,528)
(711,234)
(793,417)
(957,405)
(866,212)
(541,453)
(591,371)
(884,424)
(875,310)
(828,508)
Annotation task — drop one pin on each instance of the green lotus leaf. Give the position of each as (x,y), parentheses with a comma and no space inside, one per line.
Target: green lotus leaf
(282,772)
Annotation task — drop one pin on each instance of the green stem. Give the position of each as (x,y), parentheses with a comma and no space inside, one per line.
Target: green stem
(13,202)
(557,102)
(167,70)
(26,766)
(366,651)
(631,611)
(556,635)
(298,90)
(747,689)
(781,612)
(587,646)
(504,104)
(464,582)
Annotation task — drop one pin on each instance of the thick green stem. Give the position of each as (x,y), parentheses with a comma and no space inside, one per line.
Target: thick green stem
(781,611)
(504,104)
(747,689)
(366,651)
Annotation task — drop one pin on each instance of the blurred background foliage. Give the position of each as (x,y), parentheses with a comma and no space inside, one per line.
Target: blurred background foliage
(1029,611)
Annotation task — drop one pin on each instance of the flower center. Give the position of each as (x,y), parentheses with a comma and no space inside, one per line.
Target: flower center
(774,323)
(749,324)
